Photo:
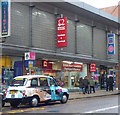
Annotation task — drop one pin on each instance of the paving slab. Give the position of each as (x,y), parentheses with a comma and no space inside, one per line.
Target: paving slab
(99,93)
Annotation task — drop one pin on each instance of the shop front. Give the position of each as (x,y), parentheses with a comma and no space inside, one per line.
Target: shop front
(10,67)
(101,74)
(66,73)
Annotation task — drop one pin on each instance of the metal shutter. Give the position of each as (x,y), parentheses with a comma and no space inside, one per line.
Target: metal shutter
(99,43)
(19,25)
(43,30)
(84,39)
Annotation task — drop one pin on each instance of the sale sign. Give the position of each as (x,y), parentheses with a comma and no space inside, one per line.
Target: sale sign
(62,32)
(93,67)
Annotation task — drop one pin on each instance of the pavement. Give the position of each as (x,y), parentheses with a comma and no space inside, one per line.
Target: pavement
(98,93)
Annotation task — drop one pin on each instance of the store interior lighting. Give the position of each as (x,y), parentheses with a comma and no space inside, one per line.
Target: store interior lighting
(52,62)
(70,62)
(77,63)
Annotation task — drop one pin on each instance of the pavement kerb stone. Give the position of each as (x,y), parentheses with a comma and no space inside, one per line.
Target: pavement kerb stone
(94,96)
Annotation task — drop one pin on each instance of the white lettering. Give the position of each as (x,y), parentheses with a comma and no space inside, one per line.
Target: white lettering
(61,41)
(61,28)
(61,35)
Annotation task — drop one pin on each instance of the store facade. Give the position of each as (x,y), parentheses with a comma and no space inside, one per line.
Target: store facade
(34,29)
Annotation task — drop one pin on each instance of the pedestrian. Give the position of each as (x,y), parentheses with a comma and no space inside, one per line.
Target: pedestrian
(107,83)
(86,83)
(92,85)
(111,81)
(81,85)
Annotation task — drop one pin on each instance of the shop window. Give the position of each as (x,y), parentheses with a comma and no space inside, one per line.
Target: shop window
(43,82)
(34,82)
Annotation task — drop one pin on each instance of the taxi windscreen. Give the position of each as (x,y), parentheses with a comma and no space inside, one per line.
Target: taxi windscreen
(18,82)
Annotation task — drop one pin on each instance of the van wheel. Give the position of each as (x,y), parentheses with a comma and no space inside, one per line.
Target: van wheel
(34,102)
(64,98)
(14,104)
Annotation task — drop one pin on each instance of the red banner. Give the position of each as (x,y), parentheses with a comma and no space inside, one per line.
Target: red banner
(62,32)
(72,67)
(93,67)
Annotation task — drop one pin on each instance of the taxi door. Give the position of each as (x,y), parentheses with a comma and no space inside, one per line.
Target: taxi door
(55,95)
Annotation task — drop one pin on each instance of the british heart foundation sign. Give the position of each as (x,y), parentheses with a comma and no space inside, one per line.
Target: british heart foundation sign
(93,67)
(62,32)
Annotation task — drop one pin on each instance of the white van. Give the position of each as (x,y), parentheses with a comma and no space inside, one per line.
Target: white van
(33,89)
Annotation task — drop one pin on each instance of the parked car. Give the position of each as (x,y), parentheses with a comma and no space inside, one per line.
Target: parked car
(33,89)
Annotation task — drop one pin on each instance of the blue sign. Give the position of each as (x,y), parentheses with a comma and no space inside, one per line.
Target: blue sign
(5,19)
(27,62)
(111,44)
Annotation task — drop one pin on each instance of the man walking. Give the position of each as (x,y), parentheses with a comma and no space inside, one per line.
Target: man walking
(86,83)
(92,85)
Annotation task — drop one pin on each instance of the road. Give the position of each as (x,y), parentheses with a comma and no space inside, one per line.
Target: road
(106,104)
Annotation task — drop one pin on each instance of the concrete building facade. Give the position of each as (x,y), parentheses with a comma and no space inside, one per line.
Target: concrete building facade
(33,29)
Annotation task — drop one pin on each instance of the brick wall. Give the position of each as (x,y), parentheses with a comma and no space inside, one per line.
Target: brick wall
(111,10)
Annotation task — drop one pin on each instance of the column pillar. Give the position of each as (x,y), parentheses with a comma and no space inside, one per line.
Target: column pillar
(69,80)
(88,71)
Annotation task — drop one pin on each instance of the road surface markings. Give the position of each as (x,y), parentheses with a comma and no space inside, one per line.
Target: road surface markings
(103,109)
(20,111)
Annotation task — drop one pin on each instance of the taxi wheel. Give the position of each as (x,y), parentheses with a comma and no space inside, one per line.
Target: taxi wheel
(64,98)
(14,104)
(34,102)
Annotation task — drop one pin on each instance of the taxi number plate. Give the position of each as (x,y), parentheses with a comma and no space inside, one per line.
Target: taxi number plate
(11,92)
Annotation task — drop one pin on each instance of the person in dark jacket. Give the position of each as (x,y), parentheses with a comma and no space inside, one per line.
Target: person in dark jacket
(81,85)
(111,81)
(86,83)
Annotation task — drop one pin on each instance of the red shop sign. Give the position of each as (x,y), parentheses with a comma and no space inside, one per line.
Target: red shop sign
(93,67)
(62,32)
(46,65)
(72,67)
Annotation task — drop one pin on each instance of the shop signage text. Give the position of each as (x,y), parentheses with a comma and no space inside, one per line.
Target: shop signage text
(62,32)
(111,44)
(5,18)
(93,67)
(72,67)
